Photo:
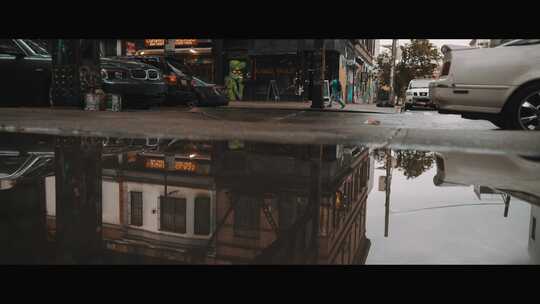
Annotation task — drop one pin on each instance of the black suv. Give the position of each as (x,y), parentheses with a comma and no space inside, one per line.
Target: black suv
(25,74)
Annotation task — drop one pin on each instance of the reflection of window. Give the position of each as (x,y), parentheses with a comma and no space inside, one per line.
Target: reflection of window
(202,215)
(246,218)
(173,214)
(136,208)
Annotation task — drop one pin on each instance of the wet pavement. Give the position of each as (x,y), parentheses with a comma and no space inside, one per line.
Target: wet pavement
(109,200)
(418,130)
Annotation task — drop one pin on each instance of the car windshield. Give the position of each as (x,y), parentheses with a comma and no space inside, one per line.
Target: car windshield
(199,82)
(417,84)
(38,46)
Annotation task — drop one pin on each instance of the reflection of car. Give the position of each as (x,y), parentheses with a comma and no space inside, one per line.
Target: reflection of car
(15,167)
(500,84)
(25,74)
(417,94)
(183,88)
(516,175)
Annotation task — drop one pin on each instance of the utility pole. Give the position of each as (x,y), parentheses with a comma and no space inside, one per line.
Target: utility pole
(387,190)
(316,93)
(76,76)
(393,72)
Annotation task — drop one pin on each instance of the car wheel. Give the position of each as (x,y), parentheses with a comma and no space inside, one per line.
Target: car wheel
(523,109)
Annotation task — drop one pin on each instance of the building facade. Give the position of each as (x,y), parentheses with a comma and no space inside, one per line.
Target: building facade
(267,68)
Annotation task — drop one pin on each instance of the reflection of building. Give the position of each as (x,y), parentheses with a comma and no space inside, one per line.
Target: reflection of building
(153,212)
(209,202)
(267,193)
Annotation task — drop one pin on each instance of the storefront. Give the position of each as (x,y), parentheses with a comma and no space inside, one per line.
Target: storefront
(195,54)
(263,69)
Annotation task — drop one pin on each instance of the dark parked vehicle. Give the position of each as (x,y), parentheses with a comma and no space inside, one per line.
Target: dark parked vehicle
(183,87)
(25,74)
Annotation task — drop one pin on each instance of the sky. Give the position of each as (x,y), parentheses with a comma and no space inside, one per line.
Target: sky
(437,42)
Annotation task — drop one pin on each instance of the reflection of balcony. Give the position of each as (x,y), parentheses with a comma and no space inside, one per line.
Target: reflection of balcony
(282,233)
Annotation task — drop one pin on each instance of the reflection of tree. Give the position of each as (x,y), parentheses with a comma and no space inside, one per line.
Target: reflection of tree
(414,163)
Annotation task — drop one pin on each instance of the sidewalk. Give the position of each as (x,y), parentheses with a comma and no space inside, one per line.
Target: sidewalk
(298,105)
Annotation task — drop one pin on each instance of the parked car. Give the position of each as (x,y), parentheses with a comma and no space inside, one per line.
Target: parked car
(417,94)
(25,75)
(183,87)
(500,84)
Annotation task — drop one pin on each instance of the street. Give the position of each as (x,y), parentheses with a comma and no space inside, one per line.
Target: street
(411,119)
(416,129)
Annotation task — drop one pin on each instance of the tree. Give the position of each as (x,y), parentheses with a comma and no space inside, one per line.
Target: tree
(419,59)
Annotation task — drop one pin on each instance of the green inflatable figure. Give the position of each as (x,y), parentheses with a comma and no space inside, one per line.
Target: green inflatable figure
(234,82)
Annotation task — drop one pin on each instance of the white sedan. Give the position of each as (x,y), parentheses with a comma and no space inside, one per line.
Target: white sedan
(500,84)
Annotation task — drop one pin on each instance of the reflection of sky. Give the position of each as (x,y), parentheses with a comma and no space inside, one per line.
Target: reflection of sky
(455,235)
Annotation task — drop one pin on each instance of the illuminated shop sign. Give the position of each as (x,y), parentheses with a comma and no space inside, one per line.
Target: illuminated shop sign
(178,42)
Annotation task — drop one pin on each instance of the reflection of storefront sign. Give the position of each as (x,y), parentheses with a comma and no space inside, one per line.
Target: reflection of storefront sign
(178,42)
(185,166)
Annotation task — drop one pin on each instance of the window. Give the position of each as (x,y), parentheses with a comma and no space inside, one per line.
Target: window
(246,218)
(173,214)
(136,208)
(7,46)
(533,229)
(202,215)
(40,47)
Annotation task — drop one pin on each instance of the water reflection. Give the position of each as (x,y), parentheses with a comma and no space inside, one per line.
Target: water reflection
(124,201)
(468,208)
(173,201)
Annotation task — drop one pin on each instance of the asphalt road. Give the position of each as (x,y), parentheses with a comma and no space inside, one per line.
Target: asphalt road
(415,119)
(416,129)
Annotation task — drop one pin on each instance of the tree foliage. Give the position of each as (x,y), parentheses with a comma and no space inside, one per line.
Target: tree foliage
(414,163)
(419,59)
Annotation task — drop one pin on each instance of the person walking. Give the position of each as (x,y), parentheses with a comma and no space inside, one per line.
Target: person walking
(335,93)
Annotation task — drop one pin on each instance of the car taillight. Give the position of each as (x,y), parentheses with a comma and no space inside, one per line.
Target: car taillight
(170,79)
(445,68)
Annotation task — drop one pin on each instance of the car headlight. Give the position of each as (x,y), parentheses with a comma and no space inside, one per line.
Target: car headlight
(409,93)
(107,74)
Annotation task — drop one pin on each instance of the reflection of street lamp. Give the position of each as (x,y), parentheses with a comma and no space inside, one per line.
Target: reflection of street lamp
(192,51)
